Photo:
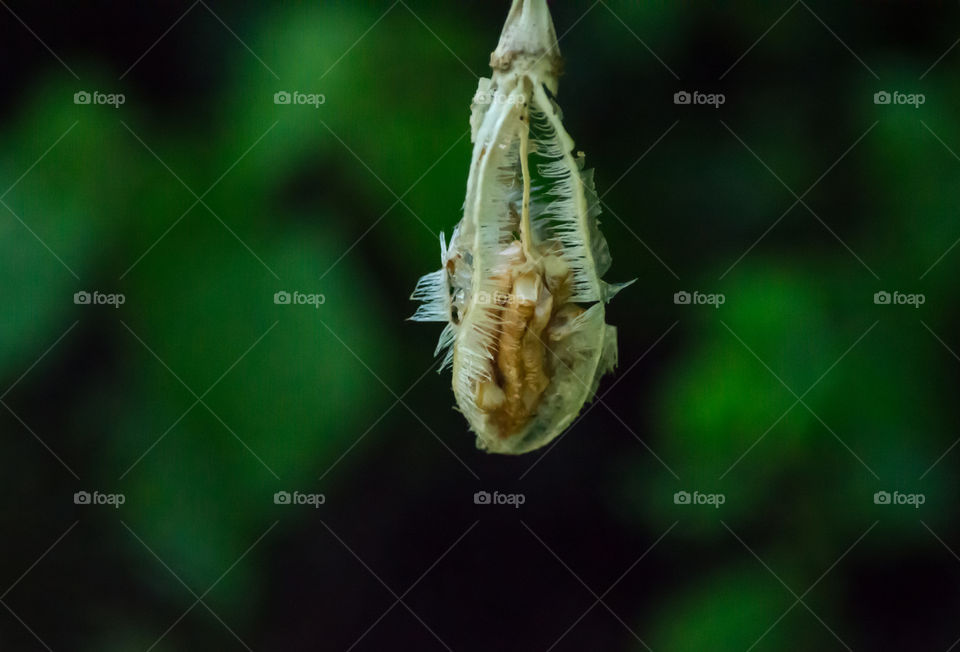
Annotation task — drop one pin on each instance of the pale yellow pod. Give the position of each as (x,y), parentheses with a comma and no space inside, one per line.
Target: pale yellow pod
(520,285)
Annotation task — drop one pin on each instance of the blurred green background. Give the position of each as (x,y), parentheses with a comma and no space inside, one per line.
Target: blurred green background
(199,398)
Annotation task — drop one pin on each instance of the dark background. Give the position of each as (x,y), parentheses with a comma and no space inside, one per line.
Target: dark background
(199,398)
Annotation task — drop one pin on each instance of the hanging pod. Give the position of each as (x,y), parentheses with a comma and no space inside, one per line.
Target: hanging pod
(520,285)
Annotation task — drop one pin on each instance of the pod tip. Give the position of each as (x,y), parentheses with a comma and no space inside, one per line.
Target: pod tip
(528,32)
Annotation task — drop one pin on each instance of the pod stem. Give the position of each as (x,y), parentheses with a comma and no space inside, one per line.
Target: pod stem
(528,31)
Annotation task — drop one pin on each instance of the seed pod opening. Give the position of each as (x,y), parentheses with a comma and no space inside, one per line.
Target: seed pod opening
(520,285)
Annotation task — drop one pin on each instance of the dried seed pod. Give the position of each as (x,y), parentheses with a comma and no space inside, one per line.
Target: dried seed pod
(520,285)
